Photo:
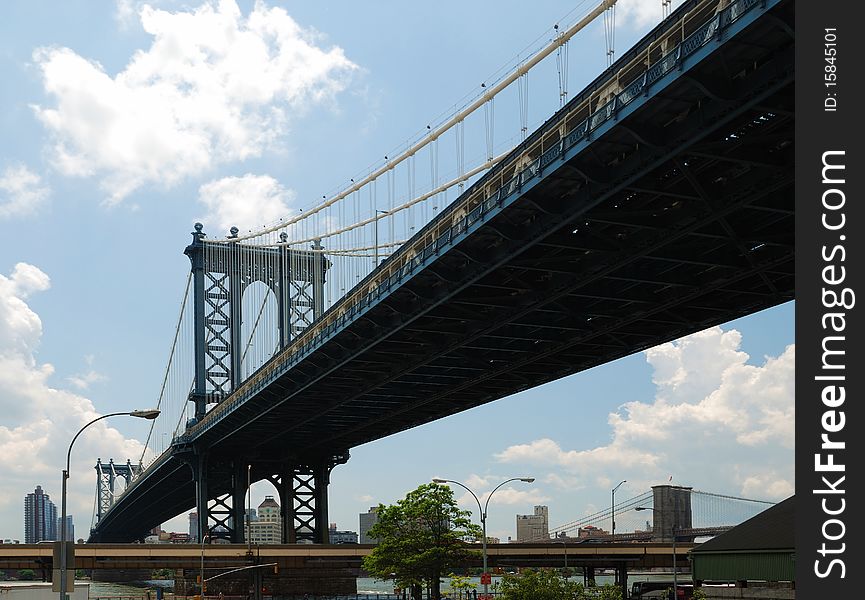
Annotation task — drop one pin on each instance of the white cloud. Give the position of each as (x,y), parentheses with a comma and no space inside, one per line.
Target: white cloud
(245,202)
(21,192)
(365,498)
(125,12)
(767,485)
(20,327)
(717,422)
(545,451)
(215,86)
(82,381)
(38,419)
(475,481)
(639,13)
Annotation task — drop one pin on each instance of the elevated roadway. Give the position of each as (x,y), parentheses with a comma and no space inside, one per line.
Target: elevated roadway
(637,555)
(657,203)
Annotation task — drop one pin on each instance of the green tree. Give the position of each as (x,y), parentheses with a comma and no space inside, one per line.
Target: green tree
(462,584)
(26,574)
(608,591)
(545,584)
(419,538)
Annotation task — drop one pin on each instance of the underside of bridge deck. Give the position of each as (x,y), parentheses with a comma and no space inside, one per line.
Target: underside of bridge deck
(677,217)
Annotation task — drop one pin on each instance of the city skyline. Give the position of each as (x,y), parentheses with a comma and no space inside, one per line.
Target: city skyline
(95,225)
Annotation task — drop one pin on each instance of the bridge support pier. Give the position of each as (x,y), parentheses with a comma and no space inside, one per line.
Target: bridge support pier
(589,576)
(622,579)
(302,487)
(226,518)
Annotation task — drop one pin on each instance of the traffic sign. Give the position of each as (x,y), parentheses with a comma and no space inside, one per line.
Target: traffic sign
(486,579)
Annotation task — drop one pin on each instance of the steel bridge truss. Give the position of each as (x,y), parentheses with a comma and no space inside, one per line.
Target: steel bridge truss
(222,484)
(221,274)
(106,476)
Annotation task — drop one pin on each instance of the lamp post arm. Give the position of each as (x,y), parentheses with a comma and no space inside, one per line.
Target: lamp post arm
(487,503)
(473,496)
(69,452)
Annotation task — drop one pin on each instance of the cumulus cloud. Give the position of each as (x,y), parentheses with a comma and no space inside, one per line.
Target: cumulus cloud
(244,202)
(639,13)
(21,192)
(215,86)
(712,408)
(37,416)
(82,381)
(125,12)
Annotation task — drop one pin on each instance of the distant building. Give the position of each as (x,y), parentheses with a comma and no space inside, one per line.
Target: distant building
(367,520)
(590,531)
(267,526)
(40,517)
(534,527)
(493,540)
(70,528)
(193,526)
(341,537)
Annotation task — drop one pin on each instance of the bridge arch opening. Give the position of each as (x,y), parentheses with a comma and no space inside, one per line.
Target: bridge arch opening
(259,330)
(264,510)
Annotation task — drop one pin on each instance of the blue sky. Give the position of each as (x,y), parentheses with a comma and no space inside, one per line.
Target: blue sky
(106,161)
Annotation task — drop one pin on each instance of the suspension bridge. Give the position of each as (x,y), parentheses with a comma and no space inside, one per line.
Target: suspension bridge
(654,203)
(675,512)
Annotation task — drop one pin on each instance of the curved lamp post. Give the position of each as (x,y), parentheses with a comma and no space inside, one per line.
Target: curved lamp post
(613,511)
(564,544)
(483,510)
(141,414)
(674,532)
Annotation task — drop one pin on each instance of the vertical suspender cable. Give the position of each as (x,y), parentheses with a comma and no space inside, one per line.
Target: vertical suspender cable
(610,33)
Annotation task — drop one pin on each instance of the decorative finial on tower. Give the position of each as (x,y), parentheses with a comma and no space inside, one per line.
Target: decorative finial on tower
(198,235)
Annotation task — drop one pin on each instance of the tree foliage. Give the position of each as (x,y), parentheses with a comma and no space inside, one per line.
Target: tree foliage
(548,584)
(419,538)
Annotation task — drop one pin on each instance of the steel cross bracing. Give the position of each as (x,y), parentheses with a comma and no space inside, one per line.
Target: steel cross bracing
(221,274)
(666,215)
(106,476)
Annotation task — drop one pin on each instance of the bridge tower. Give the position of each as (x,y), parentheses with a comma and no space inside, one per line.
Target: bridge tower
(671,511)
(221,272)
(107,475)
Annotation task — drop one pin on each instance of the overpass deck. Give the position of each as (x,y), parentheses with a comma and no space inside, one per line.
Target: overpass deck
(189,556)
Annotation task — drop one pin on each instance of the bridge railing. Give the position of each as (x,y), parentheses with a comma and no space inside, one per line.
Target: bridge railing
(690,28)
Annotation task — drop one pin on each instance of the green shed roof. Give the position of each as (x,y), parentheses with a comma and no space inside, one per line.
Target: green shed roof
(772,530)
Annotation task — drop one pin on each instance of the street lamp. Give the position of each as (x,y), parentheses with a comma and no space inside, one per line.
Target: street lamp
(483,511)
(613,510)
(674,531)
(141,414)
(384,212)
(564,544)
(248,508)
(204,539)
